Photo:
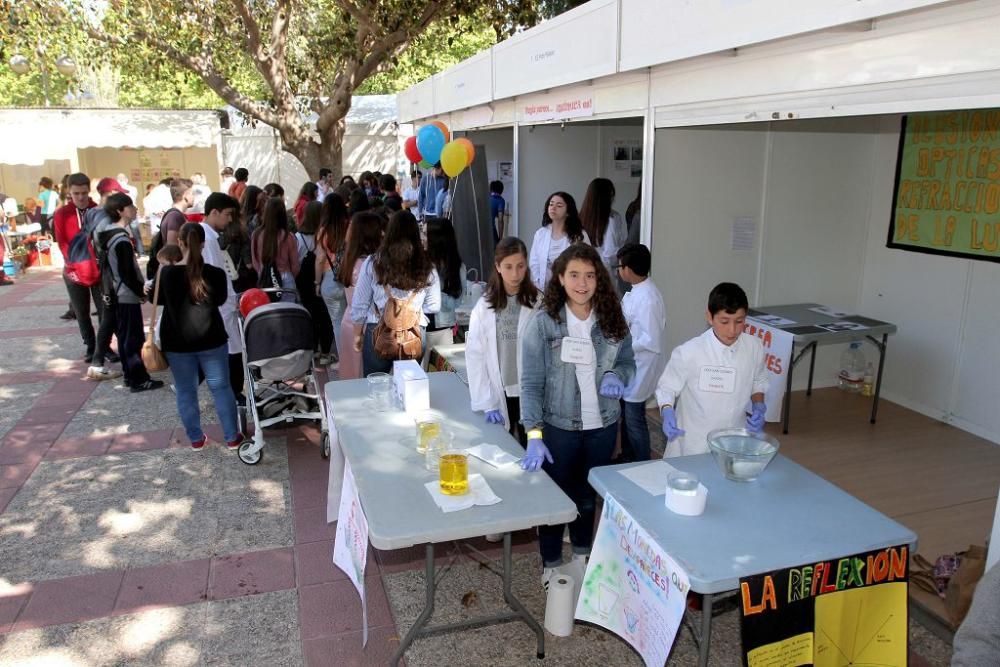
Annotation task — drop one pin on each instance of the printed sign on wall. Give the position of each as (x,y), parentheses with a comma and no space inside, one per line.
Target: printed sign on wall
(632,587)
(848,611)
(946,199)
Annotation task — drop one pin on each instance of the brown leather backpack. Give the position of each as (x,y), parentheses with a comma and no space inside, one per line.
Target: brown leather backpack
(397,334)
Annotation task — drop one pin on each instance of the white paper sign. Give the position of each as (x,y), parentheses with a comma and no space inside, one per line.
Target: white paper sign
(632,587)
(350,547)
(577,350)
(777,358)
(650,477)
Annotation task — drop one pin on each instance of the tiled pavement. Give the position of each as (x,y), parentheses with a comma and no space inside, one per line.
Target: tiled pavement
(122,546)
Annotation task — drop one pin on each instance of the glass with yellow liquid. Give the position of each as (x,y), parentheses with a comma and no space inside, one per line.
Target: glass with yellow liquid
(428,428)
(454,474)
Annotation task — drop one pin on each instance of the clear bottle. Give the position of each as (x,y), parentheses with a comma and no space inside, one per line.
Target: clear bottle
(852,369)
(868,383)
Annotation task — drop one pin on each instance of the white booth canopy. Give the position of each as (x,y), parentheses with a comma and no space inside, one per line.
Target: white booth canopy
(30,136)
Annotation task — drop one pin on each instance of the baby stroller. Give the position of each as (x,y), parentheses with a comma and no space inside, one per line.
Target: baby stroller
(281,383)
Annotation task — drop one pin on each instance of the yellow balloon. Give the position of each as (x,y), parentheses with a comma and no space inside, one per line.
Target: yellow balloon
(454,158)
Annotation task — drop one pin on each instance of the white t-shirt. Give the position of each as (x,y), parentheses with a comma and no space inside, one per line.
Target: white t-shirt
(590,411)
(412,194)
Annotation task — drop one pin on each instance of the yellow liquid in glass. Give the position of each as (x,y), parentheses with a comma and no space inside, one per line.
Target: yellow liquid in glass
(428,431)
(454,474)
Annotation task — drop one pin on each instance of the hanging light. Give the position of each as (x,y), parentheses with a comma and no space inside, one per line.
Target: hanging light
(20,64)
(66,66)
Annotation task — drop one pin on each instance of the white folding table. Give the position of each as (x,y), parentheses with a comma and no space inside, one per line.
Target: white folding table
(787,517)
(390,477)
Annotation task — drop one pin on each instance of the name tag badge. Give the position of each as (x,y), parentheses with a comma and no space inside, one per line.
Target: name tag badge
(717,379)
(577,350)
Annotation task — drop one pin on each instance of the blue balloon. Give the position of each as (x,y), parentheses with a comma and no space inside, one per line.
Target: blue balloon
(430,142)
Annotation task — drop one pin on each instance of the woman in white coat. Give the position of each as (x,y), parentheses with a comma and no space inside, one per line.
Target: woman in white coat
(604,225)
(492,347)
(561,227)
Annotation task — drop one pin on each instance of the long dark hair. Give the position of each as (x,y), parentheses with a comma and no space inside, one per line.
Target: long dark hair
(573,226)
(401,261)
(607,309)
(442,248)
(248,205)
(363,240)
(595,211)
(192,237)
(273,227)
(334,221)
(634,206)
(359,201)
(309,191)
(496,295)
(311,217)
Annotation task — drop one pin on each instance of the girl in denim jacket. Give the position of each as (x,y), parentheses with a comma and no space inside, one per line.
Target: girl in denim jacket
(576,361)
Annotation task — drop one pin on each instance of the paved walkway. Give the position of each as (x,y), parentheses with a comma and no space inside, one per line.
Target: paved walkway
(121,545)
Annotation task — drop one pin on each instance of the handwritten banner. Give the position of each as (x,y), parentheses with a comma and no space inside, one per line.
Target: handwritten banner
(947,194)
(778,358)
(632,587)
(553,108)
(848,611)
(350,546)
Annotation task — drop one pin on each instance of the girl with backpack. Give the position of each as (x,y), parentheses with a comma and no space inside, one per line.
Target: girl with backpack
(362,241)
(306,281)
(576,359)
(273,249)
(498,322)
(193,336)
(442,248)
(397,288)
(331,238)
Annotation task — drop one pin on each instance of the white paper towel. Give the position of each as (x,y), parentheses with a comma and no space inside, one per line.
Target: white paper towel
(559,605)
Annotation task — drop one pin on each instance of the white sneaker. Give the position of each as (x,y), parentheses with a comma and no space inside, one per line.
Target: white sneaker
(547,574)
(494,537)
(102,373)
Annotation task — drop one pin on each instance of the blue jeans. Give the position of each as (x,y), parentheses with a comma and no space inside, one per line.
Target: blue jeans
(635,435)
(215,365)
(335,299)
(574,453)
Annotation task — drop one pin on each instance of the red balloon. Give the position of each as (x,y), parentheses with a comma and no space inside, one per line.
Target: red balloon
(410,148)
(251,299)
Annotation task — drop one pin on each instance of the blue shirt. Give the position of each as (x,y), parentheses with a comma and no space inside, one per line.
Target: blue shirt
(497,206)
(370,298)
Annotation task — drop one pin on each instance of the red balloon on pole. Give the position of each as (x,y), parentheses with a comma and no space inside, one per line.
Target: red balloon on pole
(410,148)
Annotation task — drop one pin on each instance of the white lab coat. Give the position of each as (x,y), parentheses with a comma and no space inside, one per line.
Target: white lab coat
(538,256)
(687,383)
(482,362)
(647,322)
(211,253)
(614,238)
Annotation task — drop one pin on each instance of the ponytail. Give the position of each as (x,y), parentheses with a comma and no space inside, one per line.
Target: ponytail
(193,237)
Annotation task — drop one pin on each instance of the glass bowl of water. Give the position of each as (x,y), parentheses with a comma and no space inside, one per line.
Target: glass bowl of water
(741,454)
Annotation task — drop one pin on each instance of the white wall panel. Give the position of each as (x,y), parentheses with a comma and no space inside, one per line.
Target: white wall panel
(978,385)
(578,45)
(467,84)
(659,31)
(416,102)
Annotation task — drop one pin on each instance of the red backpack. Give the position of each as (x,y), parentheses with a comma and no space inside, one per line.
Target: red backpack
(81,262)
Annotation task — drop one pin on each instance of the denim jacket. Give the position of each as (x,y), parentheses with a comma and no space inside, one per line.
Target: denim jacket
(549,390)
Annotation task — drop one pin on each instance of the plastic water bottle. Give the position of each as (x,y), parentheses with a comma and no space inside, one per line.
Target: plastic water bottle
(852,368)
(868,384)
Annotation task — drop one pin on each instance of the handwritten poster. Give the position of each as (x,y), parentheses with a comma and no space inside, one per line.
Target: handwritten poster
(848,611)
(632,587)
(946,199)
(777,357)
(350,546)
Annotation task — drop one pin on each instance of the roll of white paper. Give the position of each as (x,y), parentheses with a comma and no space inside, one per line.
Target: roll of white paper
(686,503)
(559,606)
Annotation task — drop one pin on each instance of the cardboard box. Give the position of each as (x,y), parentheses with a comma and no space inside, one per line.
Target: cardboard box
(411,387)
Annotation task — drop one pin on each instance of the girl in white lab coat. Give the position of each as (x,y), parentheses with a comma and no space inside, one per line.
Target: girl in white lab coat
(604,225)
(560,228)
(497,323)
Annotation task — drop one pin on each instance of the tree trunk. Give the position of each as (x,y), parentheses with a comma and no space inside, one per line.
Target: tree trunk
(315,156)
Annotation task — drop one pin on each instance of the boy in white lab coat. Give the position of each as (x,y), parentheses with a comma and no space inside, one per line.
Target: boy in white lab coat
(711,377)
(647,321)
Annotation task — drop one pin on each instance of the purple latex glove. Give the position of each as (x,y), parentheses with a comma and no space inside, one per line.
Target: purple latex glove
(537,451)
(612,386)
(494,417)
(670,424)
(755,422)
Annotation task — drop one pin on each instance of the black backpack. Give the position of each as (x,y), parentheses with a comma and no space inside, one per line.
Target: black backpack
(305,282)
(109,286)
